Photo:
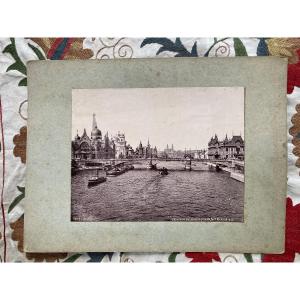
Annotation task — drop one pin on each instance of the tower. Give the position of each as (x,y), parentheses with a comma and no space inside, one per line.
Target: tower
(96,137)
(120,143)
(94,125)
(140,150)
(96,133)
(226,139)
(148,150)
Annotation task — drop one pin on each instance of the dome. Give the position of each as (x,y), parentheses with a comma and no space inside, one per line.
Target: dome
(96,133)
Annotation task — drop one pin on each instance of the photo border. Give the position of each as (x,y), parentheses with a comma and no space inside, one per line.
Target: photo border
(162,90)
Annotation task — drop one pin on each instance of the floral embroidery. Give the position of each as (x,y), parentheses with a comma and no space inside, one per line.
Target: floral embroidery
(286,47)
(20,144)
(203,256)
(18,235)
(293,75)
(295,132)
(63,48)
(168,45)
(72,48)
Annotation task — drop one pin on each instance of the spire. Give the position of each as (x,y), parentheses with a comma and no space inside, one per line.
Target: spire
(148,143)
(94,121)
(77,136)
(84,133)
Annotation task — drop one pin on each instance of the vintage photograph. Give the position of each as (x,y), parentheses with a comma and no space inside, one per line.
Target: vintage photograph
(158,154)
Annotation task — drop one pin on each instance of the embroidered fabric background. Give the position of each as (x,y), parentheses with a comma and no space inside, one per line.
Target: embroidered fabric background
(14,53)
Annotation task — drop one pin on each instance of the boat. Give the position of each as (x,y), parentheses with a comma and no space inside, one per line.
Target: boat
(94,180)
(115,172)
(129,167)
(163,171)
(152,166)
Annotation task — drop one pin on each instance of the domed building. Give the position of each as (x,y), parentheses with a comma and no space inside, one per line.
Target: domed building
(94,147)
(97,146)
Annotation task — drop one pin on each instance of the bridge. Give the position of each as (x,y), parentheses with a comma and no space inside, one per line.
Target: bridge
(132,160)
(186,163)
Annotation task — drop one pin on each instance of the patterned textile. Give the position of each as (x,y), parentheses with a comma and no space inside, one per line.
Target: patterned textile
(14,53)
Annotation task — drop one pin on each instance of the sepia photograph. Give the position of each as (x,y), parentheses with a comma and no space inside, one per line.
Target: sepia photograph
(158,154)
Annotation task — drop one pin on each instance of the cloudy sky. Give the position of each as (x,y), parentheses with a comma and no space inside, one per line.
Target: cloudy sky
(185,117)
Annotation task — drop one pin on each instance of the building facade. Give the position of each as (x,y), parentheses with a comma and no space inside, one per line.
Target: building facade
(120,143)
(145,151)
(226,149)
(198,154)
(95,146)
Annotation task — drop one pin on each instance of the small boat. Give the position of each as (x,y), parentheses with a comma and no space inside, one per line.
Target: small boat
(129,167)
(115,172)
(152,166)
(164,171)
(96,179)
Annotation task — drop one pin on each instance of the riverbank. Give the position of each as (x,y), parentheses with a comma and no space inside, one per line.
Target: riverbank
(234,174)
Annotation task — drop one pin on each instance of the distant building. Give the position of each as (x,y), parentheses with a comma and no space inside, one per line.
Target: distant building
(129,151)
(120,144)
(198,154)
(170,152)
(139,152)
(145,151)
(227,148)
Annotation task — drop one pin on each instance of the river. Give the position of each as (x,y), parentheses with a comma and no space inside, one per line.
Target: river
(143,195)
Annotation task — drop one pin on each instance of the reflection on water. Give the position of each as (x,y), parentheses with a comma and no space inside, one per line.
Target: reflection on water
(143,195)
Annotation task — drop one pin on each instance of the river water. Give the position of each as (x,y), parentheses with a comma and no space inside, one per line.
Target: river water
(143,195)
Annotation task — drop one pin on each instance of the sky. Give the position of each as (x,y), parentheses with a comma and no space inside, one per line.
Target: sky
(185,117)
